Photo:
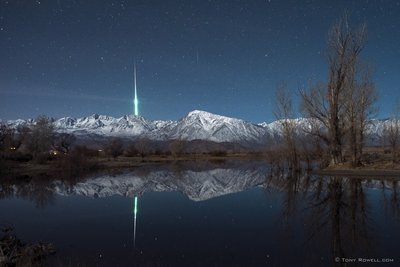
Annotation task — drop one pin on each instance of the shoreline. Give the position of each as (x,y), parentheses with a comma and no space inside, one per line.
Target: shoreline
(360,173)
(55,168)
(52,168)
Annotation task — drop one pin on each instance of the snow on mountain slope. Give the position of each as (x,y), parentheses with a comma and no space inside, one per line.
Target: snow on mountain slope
(207,126)
(374,129)
(106,125)
(197,125)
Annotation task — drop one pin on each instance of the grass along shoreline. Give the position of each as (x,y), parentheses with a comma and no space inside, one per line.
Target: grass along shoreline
(86,165)
(93,164)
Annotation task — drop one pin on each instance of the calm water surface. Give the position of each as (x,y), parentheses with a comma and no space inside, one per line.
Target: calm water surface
(233,214)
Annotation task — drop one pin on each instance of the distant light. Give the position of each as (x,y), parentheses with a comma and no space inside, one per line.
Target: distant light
(53,152)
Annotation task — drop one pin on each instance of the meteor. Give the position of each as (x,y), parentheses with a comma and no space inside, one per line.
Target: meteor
(135,100)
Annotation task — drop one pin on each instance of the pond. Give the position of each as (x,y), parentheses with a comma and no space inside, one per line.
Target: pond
(208,214)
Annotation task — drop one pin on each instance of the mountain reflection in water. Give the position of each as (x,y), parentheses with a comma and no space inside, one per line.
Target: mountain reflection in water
(232,214)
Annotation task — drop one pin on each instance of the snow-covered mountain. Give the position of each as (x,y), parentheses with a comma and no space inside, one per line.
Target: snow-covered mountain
(106,125)
(207,126)
(197,125)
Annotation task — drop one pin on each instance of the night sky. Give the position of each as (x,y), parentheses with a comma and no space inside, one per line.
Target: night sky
(75,58)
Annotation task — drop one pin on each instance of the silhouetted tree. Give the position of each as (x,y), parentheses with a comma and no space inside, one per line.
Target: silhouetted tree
(328,104)
(6,137)
(143,147)
(131,150)
(284,114)
(21,136)
(391,132)
(177,147)
(359,108)
(41,138)
(65,141)
(114,148)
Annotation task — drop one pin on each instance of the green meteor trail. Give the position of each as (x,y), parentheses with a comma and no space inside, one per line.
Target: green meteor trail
(135,100)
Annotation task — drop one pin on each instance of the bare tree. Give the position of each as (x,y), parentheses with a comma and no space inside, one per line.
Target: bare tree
(65,141)
(284,114)
(391,132)
(41,138)
(327,104)
(143,147)
(177,147)
(360,100)
(367,99)
(12,138)
(131,150)
(6,137)
(21,136)
(114,148)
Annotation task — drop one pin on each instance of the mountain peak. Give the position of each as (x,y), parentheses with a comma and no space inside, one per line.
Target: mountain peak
(205,115)
(199,112)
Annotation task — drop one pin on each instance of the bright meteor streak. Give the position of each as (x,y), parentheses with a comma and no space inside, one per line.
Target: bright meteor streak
(134,221)
(135,100)
(135,209)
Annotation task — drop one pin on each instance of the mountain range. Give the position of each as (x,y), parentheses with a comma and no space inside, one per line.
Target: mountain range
(196,125)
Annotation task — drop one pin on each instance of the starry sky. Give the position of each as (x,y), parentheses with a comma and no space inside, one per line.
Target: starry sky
(75,58)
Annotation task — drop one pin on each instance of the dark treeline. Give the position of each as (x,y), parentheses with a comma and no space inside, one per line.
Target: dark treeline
(173,148)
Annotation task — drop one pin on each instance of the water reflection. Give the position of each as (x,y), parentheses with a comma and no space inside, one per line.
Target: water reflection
(135,205)
(41,191)
(390,199)
(340,208)
(335,211)
(316,219)
(198,185)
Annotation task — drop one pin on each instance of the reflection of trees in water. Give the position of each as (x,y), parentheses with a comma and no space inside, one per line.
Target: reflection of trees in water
(341,211)
(6,190)
(291,186)
(336,213)
(39,191)
(294,186)
(391,199)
